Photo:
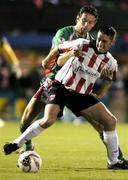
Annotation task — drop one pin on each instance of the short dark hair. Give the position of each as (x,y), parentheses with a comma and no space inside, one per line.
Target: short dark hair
(88,9)
(109,30)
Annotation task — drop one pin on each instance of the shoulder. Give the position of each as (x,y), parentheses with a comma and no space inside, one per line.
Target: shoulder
(109,55)
(112,60)
(62,35)
(64,32)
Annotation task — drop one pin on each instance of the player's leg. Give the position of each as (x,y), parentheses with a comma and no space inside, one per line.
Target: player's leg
(100,113)
(33,108)
(55,103)
(50,115)
(99,128)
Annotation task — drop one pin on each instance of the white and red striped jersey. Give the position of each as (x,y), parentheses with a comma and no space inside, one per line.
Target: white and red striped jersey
(80,74)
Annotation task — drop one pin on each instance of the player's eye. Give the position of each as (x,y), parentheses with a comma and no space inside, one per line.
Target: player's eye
(84,20)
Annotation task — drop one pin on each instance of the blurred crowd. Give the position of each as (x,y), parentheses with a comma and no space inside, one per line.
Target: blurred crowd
(122,5)
(111,4)
(15,92)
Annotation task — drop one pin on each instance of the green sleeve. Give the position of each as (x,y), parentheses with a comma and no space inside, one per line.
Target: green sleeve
(62,35)
(57,38)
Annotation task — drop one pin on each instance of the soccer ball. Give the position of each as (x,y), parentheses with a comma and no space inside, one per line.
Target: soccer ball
(29,161)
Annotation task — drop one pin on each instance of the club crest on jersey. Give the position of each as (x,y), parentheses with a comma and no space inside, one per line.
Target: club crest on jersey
(61,40)
(51,97)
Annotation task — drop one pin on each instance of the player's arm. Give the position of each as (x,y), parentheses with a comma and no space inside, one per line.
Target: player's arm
(52,54)
(61,58)
(71,48)
(108,75)
(104,88)
(64,57)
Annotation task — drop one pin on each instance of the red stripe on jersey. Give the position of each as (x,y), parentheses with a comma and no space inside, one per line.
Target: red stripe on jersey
(70,81)
(84,49)
(80,84)
(103,62)
(114,76)
(92,60)
(89,89)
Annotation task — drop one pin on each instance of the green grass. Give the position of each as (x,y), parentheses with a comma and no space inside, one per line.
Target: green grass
(69,153)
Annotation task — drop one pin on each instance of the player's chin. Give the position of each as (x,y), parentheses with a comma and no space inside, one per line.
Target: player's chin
(84,31)
(101,50)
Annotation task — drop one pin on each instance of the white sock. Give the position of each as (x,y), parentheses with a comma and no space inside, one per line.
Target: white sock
(111,140)
(32,131)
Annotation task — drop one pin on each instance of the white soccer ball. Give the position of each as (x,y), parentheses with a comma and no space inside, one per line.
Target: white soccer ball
(29,161)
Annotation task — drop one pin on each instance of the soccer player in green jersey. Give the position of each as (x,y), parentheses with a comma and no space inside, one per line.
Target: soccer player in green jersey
(85,21)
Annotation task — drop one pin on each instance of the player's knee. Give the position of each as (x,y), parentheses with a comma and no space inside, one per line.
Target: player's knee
(47,122)
(112,123)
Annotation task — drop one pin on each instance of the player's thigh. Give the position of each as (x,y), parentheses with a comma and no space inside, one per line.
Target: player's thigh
(99,112)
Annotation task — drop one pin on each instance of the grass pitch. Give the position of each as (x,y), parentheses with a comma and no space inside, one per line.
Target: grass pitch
(69,153)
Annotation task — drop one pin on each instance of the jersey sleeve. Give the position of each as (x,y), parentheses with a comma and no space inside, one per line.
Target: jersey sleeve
(114,67)
(58,38)
(68,45)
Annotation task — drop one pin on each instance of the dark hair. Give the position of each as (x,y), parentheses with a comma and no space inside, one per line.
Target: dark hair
(109,30)
(88,9)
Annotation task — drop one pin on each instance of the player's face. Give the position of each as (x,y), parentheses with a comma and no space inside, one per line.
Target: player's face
(103,42)
(85,23)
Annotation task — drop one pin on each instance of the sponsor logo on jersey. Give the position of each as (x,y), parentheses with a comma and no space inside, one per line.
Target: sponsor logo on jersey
(82,70)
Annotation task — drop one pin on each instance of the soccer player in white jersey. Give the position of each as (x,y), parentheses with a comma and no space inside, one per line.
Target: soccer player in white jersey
(74,88)
(85,20)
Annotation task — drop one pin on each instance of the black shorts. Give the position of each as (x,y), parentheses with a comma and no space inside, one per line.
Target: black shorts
(76,102)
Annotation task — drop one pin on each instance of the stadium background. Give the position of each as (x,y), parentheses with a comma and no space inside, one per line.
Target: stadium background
(29,26)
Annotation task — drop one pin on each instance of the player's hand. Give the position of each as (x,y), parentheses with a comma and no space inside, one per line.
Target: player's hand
(77,52)
(106,73)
